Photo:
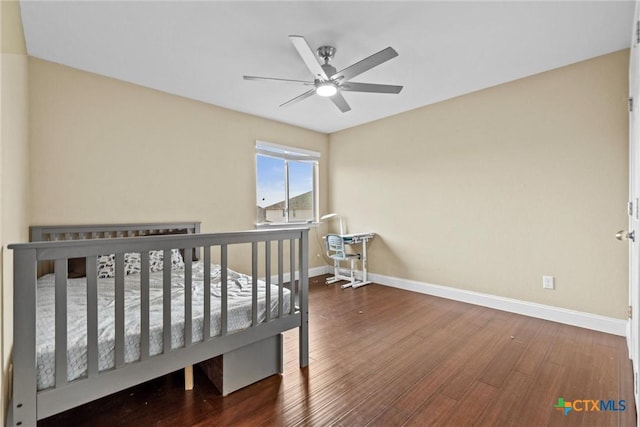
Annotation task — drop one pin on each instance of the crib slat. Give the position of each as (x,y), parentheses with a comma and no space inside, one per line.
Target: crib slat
(119,319)
(267,268)
(188,252)
(166,301)
(206,332)
(280,279)
(292,265)
(303,300)
(144,305)
(223,289)
(254,283)
(92,315)
(60,266)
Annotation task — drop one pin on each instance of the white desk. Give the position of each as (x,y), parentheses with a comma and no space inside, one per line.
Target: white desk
(354,239)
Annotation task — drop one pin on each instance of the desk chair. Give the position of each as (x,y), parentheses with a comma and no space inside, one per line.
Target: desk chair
(334,244)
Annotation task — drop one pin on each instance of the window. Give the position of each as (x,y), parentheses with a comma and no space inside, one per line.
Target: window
(286,184)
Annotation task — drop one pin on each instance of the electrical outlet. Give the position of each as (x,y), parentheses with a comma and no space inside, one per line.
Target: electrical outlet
(548,282)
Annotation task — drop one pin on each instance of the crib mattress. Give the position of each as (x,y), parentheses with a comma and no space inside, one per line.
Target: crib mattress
(239,316)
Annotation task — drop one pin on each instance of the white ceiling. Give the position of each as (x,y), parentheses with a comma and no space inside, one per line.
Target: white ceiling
(201,49)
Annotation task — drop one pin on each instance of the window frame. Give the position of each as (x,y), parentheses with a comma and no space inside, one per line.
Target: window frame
(287,154)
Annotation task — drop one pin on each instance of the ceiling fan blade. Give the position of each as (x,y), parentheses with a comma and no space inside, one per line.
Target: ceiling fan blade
(369,87)
(366,64)
(340,102)
(308,56)
(299,97)
(288,81)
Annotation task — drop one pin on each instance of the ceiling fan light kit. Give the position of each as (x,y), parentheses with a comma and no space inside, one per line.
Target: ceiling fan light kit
(326,89)
(328,82)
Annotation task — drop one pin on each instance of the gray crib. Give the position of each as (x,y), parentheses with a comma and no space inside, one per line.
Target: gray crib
(276,255)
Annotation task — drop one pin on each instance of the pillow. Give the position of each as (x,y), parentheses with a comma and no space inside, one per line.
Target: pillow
(177,260)
(106,266)
(76,267)
(107,263)
(132,263)
(156,261)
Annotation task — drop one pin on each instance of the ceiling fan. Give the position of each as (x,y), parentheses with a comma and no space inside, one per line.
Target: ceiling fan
(330,83)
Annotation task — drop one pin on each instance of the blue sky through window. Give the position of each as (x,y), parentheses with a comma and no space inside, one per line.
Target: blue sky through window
(300,178)
(271,179)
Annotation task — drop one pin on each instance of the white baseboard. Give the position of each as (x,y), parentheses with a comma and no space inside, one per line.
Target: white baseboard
(595,322)
(581,319)
(317,271)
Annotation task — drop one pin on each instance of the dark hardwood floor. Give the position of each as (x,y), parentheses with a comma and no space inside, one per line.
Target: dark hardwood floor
(386,357)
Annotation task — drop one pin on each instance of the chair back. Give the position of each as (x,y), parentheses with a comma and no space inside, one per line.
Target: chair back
(334,245)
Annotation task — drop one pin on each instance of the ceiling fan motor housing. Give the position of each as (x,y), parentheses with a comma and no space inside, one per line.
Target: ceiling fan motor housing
(329,70)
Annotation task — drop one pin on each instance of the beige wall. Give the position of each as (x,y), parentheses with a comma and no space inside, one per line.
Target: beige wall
(13,170)
(105,151)
(497,188)
(494,189)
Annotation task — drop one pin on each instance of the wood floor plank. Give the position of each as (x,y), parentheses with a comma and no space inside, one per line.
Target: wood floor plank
(435,352)
(504,409)
(477,398)
(549,385)
(423,391)
(563,347)
(502,363)
(537,350)
(380,356)
(433,414)
(491,348)
(368,388)
(340,397)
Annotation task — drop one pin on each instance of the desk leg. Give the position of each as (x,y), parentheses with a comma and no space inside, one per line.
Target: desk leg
(365,280)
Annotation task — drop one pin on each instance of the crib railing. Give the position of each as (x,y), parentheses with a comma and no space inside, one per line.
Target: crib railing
(28,404)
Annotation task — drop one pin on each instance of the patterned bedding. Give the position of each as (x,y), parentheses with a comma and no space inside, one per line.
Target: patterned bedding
(239,316)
